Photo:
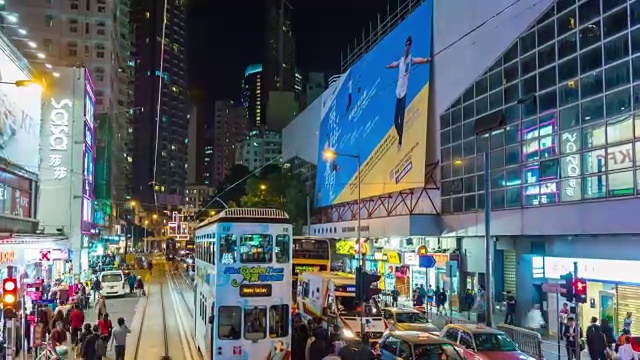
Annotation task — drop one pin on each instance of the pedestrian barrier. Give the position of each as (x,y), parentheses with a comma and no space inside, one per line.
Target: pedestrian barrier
(529,342)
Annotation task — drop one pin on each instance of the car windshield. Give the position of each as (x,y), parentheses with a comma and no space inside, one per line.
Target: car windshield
(494,342)
(347,306)
(436,352)
(410,318)
(109,278)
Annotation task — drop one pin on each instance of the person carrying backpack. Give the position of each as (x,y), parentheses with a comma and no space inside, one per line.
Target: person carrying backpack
(100,345)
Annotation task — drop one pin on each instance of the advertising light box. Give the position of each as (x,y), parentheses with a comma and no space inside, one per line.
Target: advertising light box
(378,112)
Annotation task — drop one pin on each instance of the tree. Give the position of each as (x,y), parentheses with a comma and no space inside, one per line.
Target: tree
(278,190)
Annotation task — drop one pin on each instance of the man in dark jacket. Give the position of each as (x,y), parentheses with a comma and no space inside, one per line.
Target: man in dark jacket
(572,335)
(318,348)
(596,342)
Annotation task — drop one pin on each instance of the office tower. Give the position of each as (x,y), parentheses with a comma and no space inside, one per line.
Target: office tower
(315,86)
(195,147)
(252,96)
(230,126)
(161,123)
(95,34)
(259,148)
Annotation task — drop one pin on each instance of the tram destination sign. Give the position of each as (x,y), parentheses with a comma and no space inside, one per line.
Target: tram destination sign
(303,268)
(255,290)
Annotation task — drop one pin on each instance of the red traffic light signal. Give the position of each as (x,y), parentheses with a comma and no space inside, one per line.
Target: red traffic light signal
(580,290)
(9,296)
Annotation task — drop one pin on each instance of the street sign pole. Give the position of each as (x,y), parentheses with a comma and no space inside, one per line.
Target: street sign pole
(427,261)
(575,276)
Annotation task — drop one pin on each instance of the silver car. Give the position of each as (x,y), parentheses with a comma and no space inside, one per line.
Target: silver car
(407,319)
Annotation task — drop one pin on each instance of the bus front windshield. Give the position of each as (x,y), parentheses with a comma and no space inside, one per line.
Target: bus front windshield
(348,306)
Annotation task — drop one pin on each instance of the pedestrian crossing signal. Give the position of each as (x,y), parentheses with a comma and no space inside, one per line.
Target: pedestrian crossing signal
(580,290)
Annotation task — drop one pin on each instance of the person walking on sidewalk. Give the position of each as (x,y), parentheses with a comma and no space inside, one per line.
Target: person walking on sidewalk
(572,335)
(139,287)
(120,338)
(511,308)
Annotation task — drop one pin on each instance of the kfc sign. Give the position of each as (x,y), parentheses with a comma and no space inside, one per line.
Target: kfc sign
(59,137)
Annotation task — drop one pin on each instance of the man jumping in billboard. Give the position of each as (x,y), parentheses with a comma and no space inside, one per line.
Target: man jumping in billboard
(349,94)
(404,65)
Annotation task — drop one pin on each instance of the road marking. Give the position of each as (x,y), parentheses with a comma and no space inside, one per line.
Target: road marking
(188,344)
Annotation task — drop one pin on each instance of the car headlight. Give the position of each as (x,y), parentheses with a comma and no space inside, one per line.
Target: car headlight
(347,333)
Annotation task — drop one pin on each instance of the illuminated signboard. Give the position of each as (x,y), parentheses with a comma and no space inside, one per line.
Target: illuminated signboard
(255,290)
(255,274)
(7,257)
(299,269)
(345,288)
(88,163)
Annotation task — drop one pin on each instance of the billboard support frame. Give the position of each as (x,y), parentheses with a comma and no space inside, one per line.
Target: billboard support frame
(408,199)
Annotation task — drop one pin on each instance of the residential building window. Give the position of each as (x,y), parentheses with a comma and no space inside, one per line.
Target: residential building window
(73,5)
(99,73)
(86,28)
(100,51)
(48,20)
(73,26)
(101,28)
(72,48)
(47,44)
(102,9)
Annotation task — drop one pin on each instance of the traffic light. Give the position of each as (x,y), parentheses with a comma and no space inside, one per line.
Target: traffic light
(567,286)
(580,290)
(364,291)
(9,297)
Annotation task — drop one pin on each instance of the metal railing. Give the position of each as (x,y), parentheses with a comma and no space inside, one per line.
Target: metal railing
(529,342)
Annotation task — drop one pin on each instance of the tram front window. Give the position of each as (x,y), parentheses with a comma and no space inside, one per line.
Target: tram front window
(255,323)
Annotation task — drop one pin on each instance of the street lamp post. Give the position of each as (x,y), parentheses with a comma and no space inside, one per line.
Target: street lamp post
(330,154)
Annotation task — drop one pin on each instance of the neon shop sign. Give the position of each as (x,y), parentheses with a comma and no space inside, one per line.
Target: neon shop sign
(571,163)
(255,274)
(59,136)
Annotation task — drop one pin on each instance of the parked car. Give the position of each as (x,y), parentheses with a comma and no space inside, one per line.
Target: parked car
(408,319)
(414,345)
(480,342)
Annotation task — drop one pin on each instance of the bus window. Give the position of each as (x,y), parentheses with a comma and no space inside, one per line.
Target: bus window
(228,249)
(256,248)
(282,248)
(255,323)
(229,322)
(279,321)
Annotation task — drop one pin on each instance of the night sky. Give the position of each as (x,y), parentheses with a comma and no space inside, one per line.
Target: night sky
(227,35)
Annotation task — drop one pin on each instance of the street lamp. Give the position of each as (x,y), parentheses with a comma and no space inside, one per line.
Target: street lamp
(263,187)
(154,216)
(330,155)
(212,212)
(133,203)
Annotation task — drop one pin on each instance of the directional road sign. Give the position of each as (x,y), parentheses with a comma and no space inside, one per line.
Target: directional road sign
(427,261)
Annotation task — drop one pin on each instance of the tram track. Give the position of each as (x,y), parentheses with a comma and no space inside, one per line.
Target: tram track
(153,325)
(174,279)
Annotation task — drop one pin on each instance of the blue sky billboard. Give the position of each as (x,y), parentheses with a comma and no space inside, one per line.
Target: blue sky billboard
(378,112)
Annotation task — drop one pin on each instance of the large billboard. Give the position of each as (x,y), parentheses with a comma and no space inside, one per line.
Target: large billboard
(20,114)
(378,112)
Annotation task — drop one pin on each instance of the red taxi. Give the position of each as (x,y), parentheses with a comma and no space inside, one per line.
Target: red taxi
(480,342)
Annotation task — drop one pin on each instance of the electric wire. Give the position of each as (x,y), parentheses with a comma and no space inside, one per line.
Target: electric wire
(159,103)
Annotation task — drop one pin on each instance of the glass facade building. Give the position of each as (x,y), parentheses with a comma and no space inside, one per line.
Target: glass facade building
(569,91)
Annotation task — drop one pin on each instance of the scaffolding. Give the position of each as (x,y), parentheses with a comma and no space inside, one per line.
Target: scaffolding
(378,30)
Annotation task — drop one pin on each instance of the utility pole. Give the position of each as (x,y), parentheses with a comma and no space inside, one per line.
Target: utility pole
(575,276)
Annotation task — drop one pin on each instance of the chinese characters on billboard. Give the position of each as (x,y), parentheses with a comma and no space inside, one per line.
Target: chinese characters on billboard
(88,157)
(378,112)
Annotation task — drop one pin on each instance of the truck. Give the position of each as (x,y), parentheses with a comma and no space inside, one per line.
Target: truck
(332,298)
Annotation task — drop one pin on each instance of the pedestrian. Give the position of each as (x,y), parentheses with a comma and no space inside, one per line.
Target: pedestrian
(96,287)
(106,328)
(139,287)
(441,299)
(628,321)
(100,344)
(76,319)
(564,316)
(572,335)
(132,282)
(58,335)
(120,338)
(511,308)
(625,352)
(596,341)
(332,353)
(100,306)
(318,348)
(394,297)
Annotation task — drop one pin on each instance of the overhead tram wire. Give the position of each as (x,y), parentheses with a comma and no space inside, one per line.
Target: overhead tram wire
(450,45)
(158,105)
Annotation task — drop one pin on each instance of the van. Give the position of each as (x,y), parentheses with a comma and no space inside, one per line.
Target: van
(114,283)
(332,297)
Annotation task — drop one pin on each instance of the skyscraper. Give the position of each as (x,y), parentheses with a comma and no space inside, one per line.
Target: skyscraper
(280,59)
(95,34)
(230,128)
(161,124)
(253,98)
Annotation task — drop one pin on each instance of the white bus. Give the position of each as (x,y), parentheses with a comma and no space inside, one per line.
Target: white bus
(243,285)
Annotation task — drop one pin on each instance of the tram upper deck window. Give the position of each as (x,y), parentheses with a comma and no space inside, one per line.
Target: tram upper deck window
(228,244)
(256,248)
(283,246)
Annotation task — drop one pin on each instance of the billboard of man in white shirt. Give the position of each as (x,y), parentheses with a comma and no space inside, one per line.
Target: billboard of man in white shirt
(404,66)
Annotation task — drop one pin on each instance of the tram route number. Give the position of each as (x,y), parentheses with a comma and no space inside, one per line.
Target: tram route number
(255,290)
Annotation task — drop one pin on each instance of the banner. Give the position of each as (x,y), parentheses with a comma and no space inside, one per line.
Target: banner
(378,112)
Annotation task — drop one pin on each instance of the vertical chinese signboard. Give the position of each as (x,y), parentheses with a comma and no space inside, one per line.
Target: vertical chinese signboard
(88,157)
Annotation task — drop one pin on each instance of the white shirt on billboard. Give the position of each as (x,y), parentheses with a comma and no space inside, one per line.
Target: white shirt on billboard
(404,68)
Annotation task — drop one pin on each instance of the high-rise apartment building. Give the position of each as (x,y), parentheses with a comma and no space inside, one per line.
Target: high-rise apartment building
(196,147)
(95,34)
(161,127)
(230,128)
(259,148)
(280,52)
(253,98)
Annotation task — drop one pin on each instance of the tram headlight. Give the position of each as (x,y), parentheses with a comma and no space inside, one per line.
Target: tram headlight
(347,333)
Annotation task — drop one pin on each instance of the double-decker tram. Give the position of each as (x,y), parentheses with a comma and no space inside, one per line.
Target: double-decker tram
(243,291)
(310,254)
